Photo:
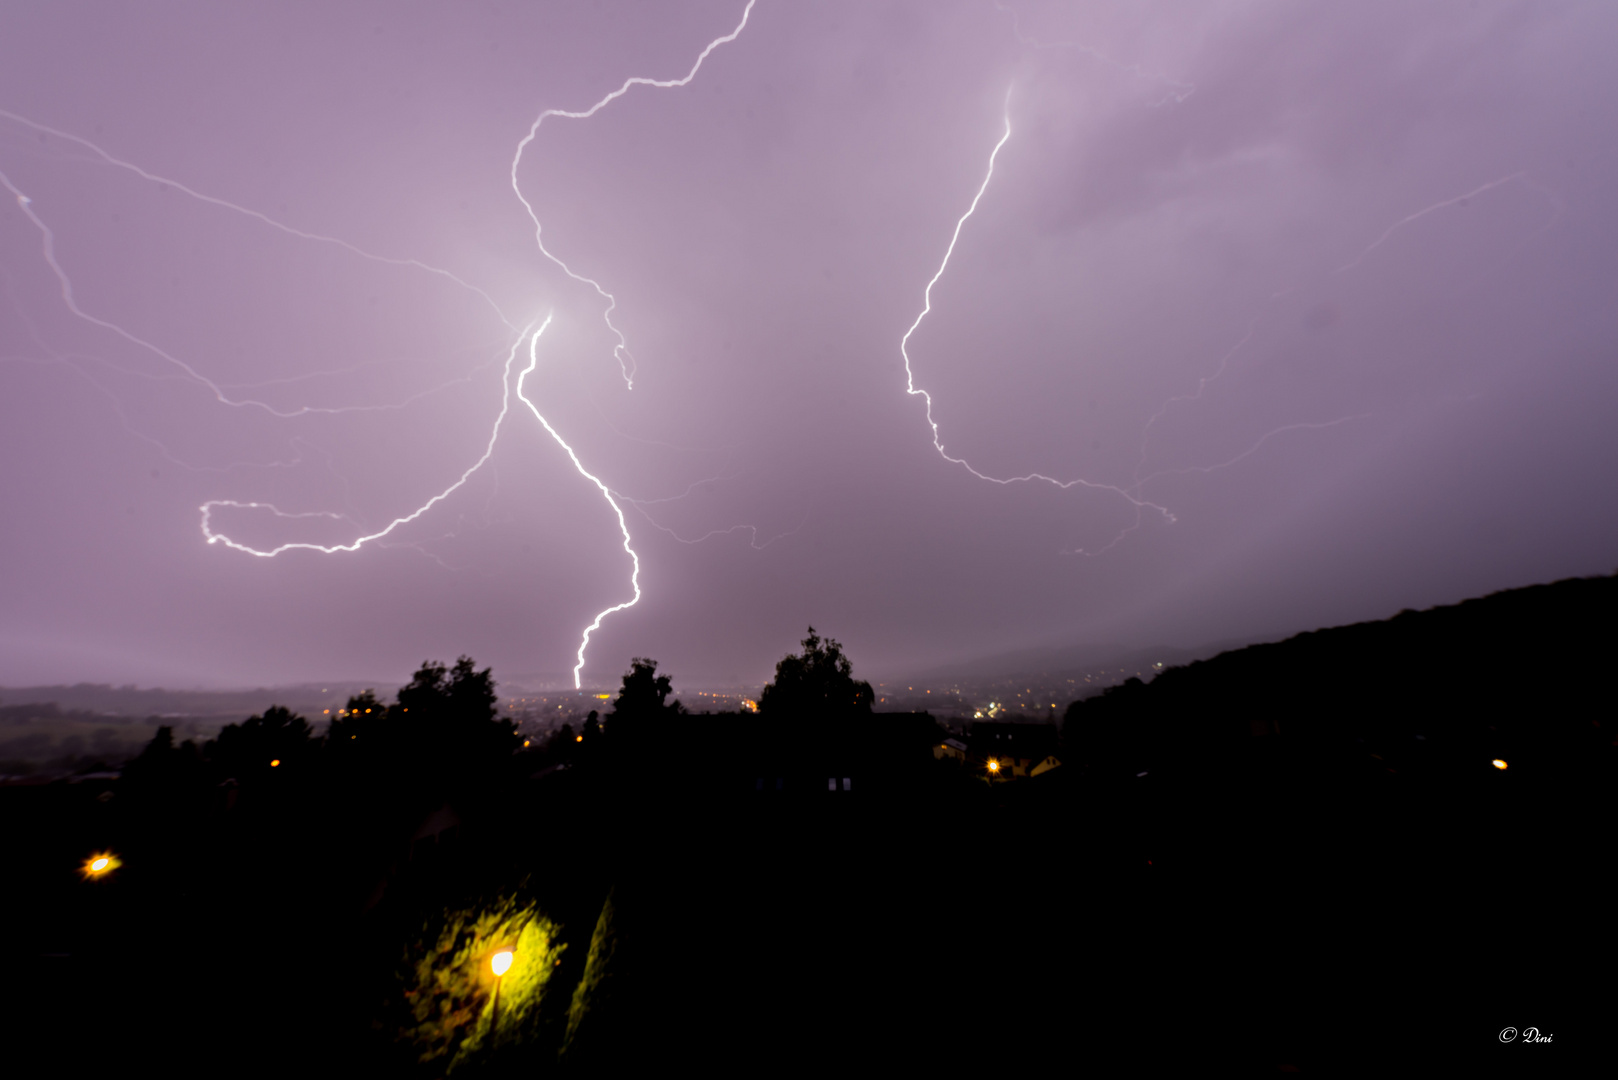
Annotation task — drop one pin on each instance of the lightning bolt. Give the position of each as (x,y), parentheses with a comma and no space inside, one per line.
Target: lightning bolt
(1408,218)
(70,301)
(620,352)
(1319,425)
(208,507)
(1177,91)
(531,334)
(626,361)
(606,493)
(927,307)
(226,204)
(1133,493)
(751,530)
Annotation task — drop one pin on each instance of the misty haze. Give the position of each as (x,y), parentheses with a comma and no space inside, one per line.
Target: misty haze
(757,532)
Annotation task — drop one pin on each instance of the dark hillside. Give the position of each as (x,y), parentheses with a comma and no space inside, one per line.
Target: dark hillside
(1328,836)
(1292,857)
(1525,672)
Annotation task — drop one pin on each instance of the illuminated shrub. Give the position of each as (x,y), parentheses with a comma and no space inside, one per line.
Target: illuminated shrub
(458,1006)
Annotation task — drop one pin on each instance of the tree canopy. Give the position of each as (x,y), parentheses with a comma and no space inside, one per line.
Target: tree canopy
(260,743)
(444,724)
(818,683)
(642,702)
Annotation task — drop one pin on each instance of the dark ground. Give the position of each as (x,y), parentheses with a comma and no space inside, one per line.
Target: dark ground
(1332,895)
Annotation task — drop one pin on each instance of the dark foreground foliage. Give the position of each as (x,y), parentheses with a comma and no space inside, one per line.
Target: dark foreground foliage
(1295,855)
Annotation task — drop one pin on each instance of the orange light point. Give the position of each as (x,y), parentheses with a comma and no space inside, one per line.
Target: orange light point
(100,864)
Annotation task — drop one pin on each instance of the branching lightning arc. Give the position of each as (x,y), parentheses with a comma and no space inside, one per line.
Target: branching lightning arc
(618,511)
(626,361)
(927,307)
(1133,491)
(530,335)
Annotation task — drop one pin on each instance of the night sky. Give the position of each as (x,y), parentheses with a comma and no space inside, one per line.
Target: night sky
(1293,314)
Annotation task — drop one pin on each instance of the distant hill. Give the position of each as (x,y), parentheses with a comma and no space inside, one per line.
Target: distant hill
(132,701)
(1059,661)
(1525,672)
(57,729)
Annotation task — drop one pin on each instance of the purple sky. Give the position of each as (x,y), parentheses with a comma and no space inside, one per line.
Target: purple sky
(1318,303)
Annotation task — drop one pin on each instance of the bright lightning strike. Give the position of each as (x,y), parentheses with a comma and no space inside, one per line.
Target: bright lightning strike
(623,526)
(488,451)
(620,352)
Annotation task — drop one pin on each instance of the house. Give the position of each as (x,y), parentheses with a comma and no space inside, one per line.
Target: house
(1009,749)
(1045,765)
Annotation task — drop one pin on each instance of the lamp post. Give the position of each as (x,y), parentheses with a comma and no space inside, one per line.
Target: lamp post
(499,963)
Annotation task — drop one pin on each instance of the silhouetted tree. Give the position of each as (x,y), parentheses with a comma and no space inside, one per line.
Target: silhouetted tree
(818,684)
(248,749)
(363,716)
(162,770)
(642,703)
(443,725)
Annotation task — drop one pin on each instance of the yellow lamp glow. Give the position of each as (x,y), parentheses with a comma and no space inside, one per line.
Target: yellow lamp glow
(1497,763)
(275,763)
(994,766)
(500,962)
(100,864)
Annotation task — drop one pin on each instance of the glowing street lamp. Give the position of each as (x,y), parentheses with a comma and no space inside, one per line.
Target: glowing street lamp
(994,767)
(1497,763)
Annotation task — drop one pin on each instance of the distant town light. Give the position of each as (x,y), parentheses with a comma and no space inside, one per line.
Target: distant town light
(500,962)
(578,738)
(275,762)
(994,766)
(1497,763)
